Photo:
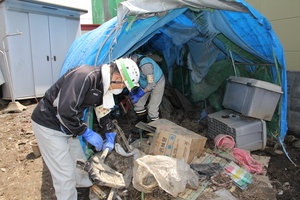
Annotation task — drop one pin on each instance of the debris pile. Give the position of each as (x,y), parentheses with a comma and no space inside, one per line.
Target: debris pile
(171,159)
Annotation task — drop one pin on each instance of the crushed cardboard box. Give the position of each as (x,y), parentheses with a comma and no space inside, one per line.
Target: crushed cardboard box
(175,141)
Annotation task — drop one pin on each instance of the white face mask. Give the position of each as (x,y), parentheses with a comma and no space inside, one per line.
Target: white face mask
(116,91)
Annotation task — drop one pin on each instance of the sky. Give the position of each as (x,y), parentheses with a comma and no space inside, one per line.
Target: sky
(82,4)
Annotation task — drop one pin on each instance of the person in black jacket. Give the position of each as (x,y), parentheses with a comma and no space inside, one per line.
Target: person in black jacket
(57,120)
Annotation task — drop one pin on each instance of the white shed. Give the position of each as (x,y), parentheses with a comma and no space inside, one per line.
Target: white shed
(35,38)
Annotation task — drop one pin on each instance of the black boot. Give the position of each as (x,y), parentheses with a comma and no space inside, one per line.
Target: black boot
(142,116)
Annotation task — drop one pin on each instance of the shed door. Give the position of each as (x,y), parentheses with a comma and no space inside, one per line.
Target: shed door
(19,56)
(41,54)
(49,48)
(58,43)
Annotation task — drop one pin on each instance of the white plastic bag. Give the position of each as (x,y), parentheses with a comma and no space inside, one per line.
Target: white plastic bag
(170,174)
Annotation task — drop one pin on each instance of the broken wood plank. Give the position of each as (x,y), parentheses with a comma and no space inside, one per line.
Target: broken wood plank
(145,127)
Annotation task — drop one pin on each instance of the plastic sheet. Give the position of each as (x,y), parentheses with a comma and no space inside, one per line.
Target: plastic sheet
(171,174)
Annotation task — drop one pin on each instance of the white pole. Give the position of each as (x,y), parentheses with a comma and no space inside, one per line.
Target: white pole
(7,64)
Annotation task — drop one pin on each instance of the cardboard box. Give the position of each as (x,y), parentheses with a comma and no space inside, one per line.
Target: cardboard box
(175,141)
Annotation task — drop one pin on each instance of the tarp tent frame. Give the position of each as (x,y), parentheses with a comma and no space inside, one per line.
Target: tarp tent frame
(210,36)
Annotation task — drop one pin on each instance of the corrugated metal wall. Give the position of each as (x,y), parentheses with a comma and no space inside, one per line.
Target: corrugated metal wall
(294,102)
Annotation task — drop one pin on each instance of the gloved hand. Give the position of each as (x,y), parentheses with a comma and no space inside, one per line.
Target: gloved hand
(93,138)
(134,91)
(110,141)
(135,98)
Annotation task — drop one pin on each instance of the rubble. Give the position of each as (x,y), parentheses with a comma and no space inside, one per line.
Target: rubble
(208,158)
(279,179)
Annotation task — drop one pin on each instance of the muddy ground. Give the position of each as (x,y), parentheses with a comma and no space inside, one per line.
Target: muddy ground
(25,176)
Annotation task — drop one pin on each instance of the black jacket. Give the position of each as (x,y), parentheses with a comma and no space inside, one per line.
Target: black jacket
(79,88)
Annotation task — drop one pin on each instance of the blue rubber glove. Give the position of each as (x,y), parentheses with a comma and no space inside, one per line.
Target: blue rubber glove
(93,138)
(135,98)
(134,91)
(110,141)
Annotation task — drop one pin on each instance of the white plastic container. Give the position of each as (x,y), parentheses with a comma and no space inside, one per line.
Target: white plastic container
(251,97)
(249,133)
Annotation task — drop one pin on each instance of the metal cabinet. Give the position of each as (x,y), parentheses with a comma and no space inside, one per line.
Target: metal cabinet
(35,38)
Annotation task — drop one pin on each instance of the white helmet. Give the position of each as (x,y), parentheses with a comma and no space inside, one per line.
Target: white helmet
(129,72)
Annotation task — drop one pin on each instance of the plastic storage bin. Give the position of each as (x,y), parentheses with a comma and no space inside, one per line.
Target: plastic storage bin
(251,97)
(249,133)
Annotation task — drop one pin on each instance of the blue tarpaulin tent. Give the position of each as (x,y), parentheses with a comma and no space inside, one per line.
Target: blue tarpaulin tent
(195,34)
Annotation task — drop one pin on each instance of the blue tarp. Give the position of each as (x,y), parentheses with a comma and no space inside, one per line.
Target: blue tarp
(193,27)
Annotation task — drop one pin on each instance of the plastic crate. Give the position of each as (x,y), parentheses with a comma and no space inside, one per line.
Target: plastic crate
(249,133)
(251,97)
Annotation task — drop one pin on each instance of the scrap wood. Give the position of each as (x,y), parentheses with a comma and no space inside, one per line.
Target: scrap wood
(145,127)
(228,152)
(206,158)
(224,153)
(122,134)
(97,191)
(113,194)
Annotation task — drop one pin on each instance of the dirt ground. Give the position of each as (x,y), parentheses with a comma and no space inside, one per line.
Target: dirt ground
(25,176)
